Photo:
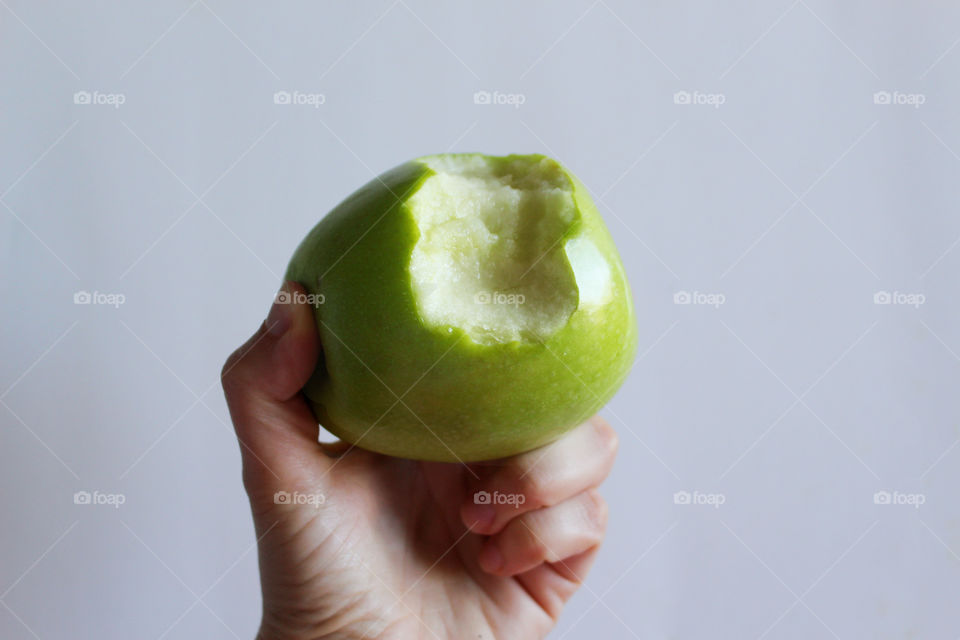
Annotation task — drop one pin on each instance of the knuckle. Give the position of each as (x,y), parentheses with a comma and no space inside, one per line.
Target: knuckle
(534,484)
(607,436)
(528,545)
(596,512)
(549,555)
(228,376)
(232,375)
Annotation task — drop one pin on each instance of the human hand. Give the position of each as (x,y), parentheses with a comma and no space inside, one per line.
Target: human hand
(357,545)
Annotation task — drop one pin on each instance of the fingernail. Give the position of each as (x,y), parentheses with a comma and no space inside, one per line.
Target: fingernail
(281,313)
(491,560)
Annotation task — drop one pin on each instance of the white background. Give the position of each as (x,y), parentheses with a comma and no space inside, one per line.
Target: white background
(797,199)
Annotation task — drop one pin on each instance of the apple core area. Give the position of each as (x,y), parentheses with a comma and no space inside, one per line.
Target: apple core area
(490,257)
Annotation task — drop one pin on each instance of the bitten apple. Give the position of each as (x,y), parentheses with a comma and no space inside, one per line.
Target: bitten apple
(474,307)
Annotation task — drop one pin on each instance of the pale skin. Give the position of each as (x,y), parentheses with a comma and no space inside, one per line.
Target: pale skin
(365,546)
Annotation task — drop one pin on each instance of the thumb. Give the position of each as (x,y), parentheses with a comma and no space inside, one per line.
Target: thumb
(262,381)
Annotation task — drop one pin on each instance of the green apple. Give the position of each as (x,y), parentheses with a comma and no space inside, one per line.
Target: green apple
(473,307)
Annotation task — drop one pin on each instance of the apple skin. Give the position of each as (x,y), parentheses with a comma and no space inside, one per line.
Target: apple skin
(388,383)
